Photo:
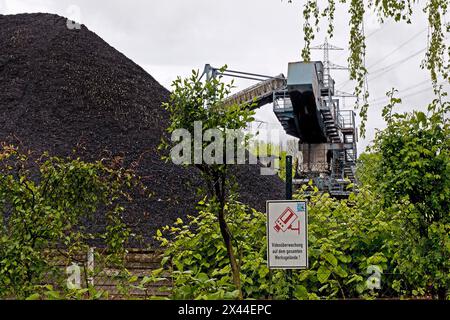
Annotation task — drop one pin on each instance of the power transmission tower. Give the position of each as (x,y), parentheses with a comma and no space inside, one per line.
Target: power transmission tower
(327,64)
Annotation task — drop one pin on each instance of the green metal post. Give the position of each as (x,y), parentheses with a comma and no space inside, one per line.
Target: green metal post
(289,197)
(288,177)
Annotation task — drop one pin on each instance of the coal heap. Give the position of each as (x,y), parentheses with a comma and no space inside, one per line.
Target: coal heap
(63,89)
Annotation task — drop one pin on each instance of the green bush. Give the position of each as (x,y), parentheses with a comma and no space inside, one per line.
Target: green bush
(198,259)
(345,238)
(413,169)
(349,239)
(47,204)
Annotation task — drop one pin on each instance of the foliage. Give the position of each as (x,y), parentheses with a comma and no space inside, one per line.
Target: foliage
(414,153)
(198,259)
(413,167)
(194,101)
(46,204)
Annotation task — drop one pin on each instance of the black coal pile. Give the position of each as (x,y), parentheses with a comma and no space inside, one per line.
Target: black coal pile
(63,89)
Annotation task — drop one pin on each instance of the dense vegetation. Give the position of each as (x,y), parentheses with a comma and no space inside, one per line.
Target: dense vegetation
(394,232)
(196,103)
(390,239)
(48,204)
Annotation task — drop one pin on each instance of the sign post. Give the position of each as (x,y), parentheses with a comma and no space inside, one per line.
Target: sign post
(288,177)
(289,197)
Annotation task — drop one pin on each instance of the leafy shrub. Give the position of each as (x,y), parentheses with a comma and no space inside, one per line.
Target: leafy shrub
(345,238)
(199,263)
(44,205)
(413,168)
(349,239)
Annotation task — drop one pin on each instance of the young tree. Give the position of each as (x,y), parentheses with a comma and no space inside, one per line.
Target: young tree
(196,107)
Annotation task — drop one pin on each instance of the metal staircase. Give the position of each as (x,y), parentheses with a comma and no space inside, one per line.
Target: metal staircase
(350,136)
(331,126)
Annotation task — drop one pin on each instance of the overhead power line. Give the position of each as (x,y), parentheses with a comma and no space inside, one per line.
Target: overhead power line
(401,90)
(388,55)
(393,65)
(402,97)
(397,48)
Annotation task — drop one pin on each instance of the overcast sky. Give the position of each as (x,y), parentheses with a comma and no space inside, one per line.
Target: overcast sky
(170,38)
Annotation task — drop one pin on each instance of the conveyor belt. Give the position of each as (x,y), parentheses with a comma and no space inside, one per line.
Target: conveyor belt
(258,94)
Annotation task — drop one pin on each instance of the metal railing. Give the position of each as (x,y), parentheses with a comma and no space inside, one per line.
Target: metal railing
(347,119)
(282,101)
(328,83)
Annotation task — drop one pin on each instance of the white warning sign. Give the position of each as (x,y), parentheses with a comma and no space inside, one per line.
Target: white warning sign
(287,234)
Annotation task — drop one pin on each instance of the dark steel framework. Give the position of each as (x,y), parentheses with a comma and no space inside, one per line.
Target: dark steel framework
(327,135)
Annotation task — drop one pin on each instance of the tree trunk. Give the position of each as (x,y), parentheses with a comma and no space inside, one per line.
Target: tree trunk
(219,193)
(233,262)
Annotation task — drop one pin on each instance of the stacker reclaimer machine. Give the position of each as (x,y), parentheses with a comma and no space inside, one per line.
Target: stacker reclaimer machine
(307,106)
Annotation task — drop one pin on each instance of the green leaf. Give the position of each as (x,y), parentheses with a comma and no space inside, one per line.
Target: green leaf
(202,277)
(301,293)
(330,258)
(323,273)
(263,271)
(34,296)
(324,287)
(304,275)
(344,258)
